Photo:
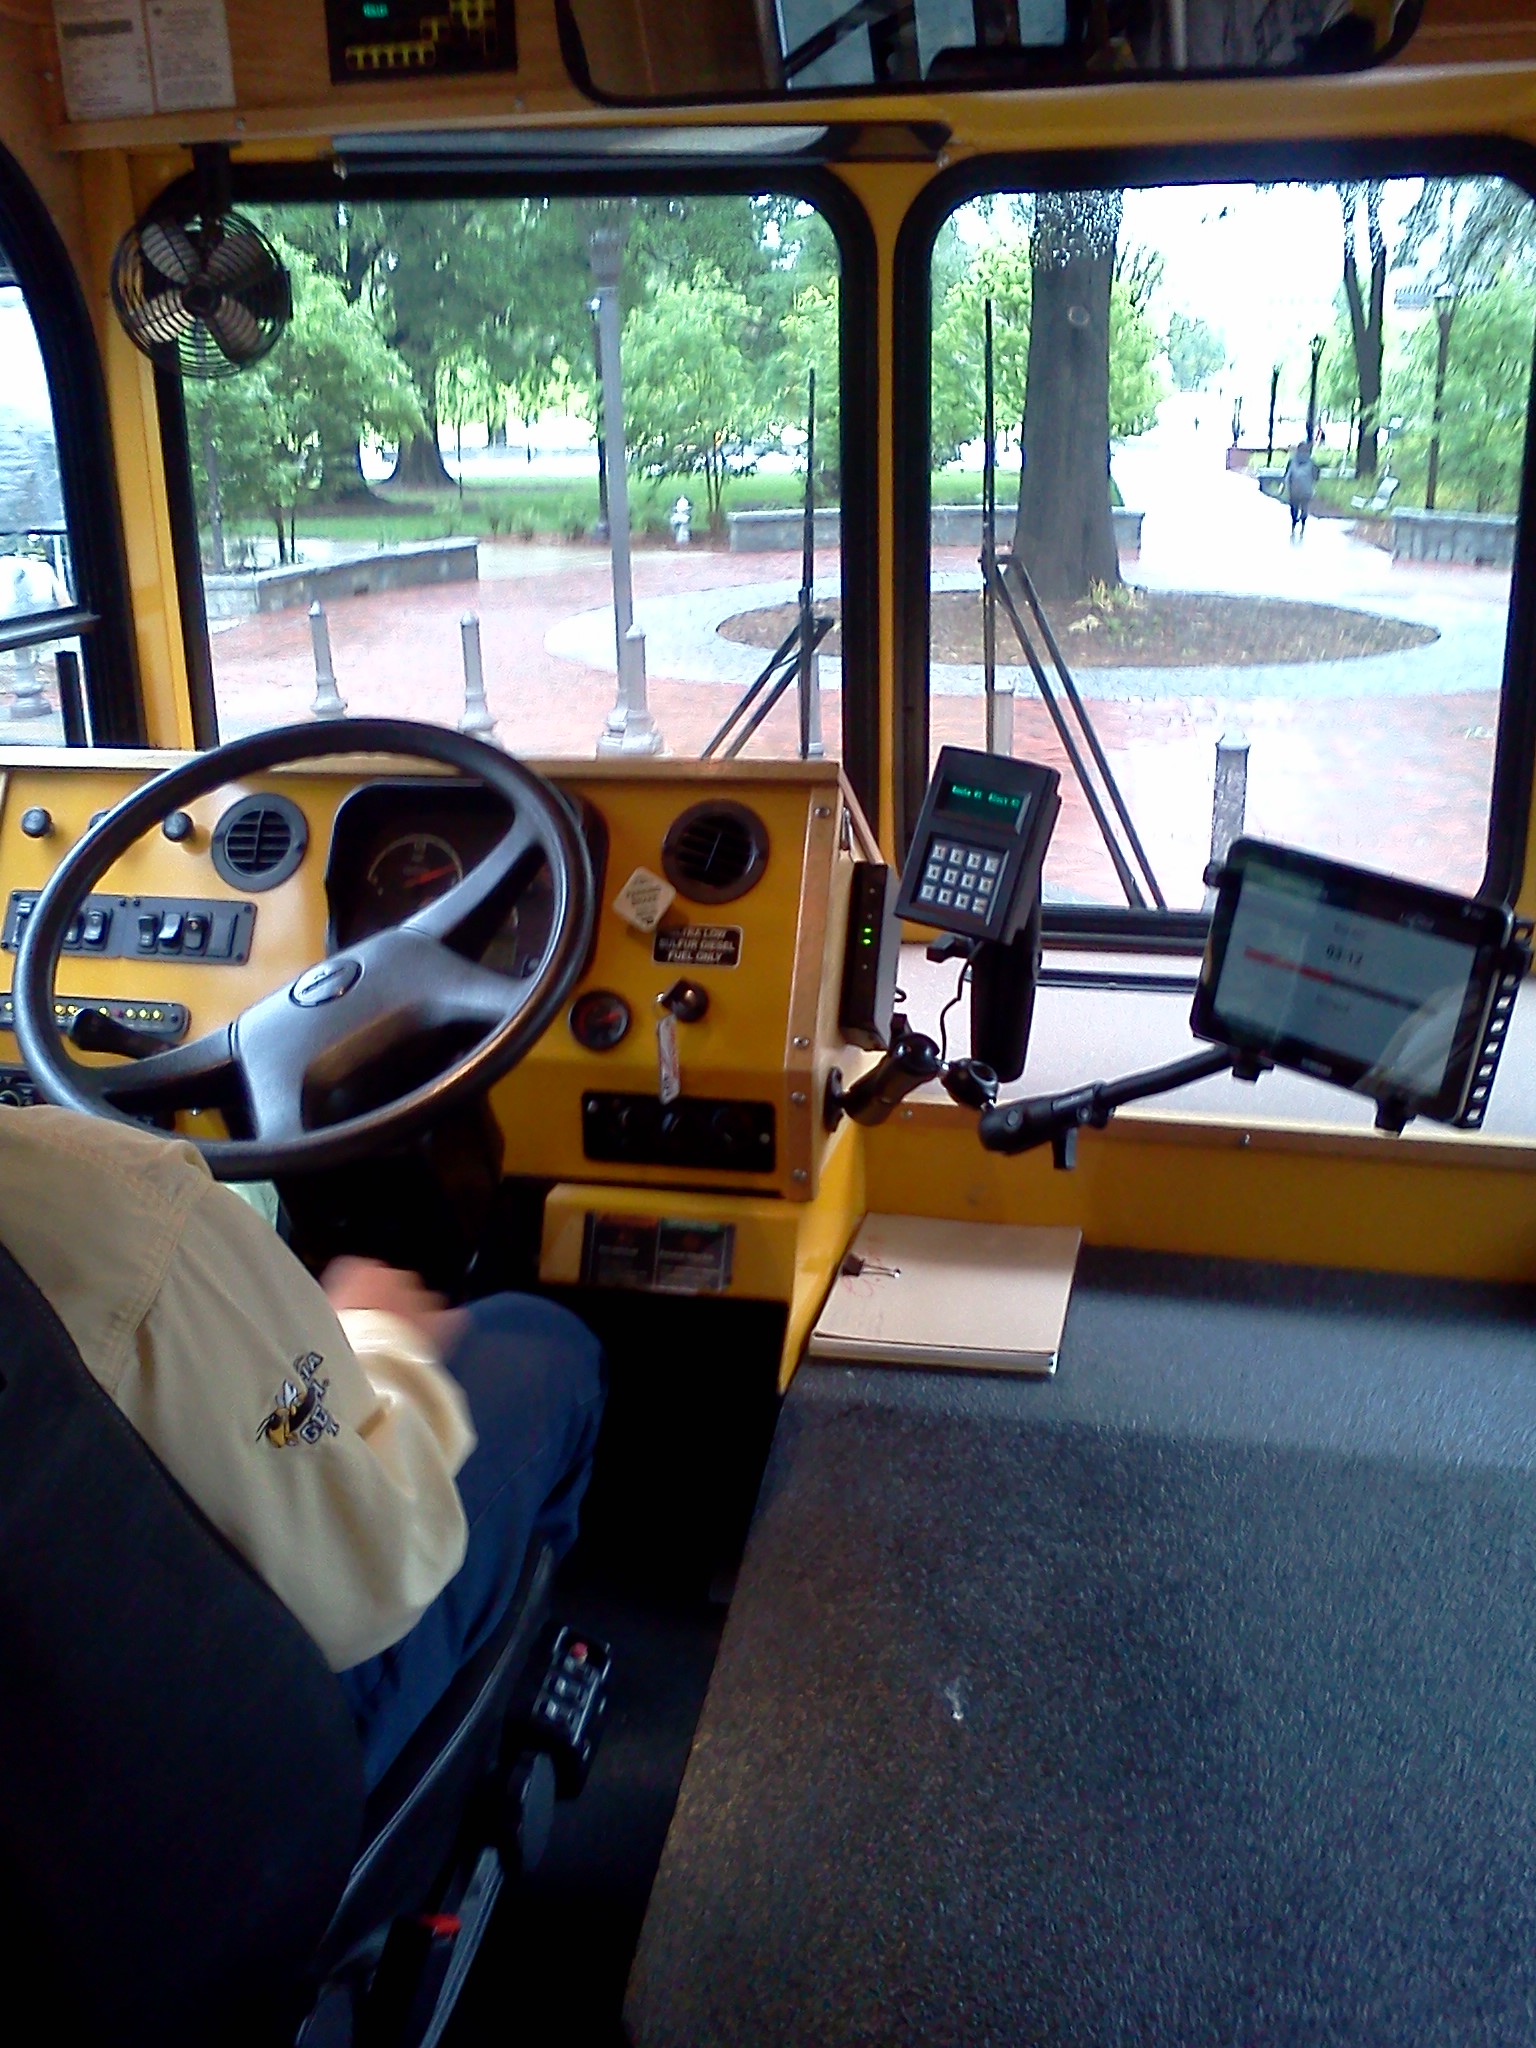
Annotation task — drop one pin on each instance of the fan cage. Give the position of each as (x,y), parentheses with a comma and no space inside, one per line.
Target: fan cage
(149,302)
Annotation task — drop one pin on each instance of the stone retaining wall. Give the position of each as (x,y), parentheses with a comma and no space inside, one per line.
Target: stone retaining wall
(950,526)
(1486,539)
(305,583)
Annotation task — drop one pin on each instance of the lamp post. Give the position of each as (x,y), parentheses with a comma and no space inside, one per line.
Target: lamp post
(629,727)
(1274,394)
(600,531)
(1319,343)
(1445,313)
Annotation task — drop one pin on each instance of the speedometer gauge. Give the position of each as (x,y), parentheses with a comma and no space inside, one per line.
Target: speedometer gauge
(410,872)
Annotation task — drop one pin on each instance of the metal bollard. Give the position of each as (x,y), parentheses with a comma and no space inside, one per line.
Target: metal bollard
(477,717)
(1229,798)
(328,699)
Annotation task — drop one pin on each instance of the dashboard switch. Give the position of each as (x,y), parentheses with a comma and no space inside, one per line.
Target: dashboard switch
(168,938)
(149,931)
(194,936)
(94,930)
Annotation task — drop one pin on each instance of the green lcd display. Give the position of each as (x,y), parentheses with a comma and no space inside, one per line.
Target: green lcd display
(963,796)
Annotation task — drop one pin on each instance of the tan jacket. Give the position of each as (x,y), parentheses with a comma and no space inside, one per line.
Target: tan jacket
(328,1463)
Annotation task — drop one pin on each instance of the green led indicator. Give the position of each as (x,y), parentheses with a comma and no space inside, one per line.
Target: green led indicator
(375,10)
(868,935)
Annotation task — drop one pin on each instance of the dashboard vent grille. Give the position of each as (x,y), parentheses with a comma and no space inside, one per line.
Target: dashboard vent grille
(259,842)
(715,852)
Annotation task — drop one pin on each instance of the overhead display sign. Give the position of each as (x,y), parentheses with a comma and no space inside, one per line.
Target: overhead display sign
(394,39)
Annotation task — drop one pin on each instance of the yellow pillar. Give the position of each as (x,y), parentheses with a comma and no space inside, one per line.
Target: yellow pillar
(109,210)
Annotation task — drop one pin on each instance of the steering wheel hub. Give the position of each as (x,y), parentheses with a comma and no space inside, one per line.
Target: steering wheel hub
(326,982)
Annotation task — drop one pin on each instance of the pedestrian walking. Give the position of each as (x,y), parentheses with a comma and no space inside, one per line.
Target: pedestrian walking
(1300,482)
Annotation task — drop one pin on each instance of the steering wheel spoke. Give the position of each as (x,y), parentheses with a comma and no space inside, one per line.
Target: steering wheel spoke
(195,1075)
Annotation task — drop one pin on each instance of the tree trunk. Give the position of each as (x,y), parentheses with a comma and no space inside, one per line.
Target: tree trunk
(420,463)
(1367,319)
(1065,531)
(341,472)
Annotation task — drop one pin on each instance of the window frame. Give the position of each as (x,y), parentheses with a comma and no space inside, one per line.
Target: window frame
(1110,927)
(100,616)
(398,179)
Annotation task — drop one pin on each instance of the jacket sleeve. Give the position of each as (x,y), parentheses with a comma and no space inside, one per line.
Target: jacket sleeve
(331,1472)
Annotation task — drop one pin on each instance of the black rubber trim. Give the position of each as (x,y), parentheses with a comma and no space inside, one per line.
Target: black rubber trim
(1182,164)
(297,184)
(186,554)
(42,267)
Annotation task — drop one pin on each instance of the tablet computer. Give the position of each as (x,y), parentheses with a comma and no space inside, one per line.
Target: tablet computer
(1384,986)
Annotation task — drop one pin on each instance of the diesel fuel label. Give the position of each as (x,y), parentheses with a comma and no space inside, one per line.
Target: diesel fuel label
(698,945)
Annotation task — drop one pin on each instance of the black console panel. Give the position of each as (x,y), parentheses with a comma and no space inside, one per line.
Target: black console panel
(696,1132)
(154,1018)
(146,927)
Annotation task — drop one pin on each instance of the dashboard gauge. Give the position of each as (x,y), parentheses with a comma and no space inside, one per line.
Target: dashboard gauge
(409,872)
(599,1019)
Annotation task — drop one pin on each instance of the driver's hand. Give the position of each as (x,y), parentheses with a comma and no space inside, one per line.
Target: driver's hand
(369,1283)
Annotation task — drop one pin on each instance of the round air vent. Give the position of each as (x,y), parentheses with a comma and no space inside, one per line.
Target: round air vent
(715,851)
(259,842)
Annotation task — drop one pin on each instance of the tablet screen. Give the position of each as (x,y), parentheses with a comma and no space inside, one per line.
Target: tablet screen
(1381,985)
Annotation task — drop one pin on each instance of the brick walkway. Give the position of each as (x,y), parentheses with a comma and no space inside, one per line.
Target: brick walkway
(1397,781)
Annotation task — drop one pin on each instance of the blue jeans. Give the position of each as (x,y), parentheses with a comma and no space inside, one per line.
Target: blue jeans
(533,1377)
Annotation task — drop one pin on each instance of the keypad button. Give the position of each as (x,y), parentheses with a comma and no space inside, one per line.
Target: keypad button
(962,899)
(985,884)
(993,864)
(951,876)
(925,894)
(973,859)
(938,851)
(946,896)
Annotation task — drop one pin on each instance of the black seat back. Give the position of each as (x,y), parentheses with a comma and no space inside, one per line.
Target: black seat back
(183,1788)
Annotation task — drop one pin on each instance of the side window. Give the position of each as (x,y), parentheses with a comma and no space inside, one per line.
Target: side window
(37,575)
(1257,465)
(430,444)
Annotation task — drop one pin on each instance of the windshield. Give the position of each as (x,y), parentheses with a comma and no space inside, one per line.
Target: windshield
(1255,465)
(535,465)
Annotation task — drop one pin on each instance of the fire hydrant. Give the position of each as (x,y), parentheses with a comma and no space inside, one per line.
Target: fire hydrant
(681,522)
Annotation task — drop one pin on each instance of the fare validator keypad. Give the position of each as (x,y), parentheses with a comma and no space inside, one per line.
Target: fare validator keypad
(979,845)
(960,876)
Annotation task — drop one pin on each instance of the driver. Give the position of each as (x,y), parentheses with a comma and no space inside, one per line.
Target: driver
(381,1461)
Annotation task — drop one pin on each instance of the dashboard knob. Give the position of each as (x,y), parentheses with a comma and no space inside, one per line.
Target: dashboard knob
(177,826)
(36,822)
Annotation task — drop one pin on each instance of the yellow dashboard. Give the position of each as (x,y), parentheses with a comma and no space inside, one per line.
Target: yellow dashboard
(764,946)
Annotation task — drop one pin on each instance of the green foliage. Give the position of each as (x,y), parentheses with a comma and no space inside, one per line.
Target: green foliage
(811,343)
(330,377)
(1196,352)
(1487,390)
(1001,272)
(1136,385)
(694,399)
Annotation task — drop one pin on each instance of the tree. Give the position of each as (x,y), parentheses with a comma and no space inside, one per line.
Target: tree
(258,439)
(1065,530)
(1196,352)
(1482,424)
(811,339)
(1001,273)
(694,403)
(1367,309)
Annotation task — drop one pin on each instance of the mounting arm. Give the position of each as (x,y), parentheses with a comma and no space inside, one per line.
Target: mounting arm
(1056,1119)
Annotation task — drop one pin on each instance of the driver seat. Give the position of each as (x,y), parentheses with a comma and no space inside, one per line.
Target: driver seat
(186,1851)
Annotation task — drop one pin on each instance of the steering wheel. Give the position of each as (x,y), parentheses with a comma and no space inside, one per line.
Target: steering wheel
(395,990)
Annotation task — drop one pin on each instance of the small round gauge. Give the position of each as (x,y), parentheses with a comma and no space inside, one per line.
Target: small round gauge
(599,1019)
(410,872)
